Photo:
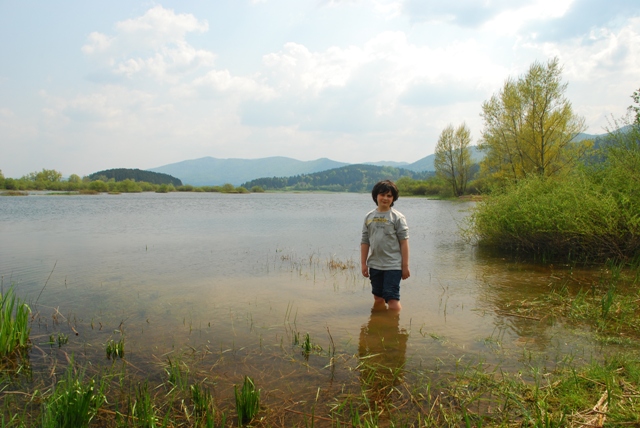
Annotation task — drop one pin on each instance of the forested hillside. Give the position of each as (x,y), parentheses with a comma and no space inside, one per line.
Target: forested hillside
(210,171)
(121,174)
(351,178)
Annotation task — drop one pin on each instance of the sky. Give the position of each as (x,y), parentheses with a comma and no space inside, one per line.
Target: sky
(88,85)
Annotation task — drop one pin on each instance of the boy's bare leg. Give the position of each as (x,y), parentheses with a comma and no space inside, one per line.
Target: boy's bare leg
(395,305)
(378,303)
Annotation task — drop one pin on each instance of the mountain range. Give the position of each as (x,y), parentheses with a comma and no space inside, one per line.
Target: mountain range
(210,171)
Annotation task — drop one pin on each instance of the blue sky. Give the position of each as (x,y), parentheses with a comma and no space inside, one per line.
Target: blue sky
(91,85)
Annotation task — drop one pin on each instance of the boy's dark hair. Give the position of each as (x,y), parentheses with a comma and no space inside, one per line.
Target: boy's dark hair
(384,186)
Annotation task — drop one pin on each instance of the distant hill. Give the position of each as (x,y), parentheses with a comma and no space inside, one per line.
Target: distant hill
(388,163)
(209,171)
(350,178)
(121,174)
(426,163)
(215,172)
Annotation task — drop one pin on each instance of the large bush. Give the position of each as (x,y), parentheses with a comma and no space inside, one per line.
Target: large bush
(592,213)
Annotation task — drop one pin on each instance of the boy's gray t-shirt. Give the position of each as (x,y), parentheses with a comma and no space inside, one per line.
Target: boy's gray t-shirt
(383,231)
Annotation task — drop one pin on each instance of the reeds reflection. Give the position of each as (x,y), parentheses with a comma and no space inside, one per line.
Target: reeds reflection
(382,350)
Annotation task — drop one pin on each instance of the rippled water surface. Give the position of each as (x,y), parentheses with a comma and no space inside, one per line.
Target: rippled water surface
(243,274)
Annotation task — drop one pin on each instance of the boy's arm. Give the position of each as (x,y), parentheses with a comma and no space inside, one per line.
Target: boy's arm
(364,253)
(404,251)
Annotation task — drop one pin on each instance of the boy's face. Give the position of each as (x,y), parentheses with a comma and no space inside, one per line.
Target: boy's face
(384,201)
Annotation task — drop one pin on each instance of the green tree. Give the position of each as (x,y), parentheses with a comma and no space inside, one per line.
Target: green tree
(453,158)
(635,109)
(529,126)
(128,186)
(46,175)
(1,180)
(228,188)
(98,186)
(74,178)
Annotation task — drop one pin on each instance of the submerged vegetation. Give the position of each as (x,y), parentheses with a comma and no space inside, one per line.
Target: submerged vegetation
(303,383)
(14,326)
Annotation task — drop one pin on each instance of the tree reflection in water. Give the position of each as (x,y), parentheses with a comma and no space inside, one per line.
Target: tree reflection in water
(382,350)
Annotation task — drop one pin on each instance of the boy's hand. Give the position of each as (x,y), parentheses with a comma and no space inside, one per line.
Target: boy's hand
(365,271)
(405,272)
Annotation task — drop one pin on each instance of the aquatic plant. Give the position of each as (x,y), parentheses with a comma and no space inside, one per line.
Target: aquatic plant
(74,401)
(337,264)
(14,325)
(143,410)
(59,339)
(115,349)
(247,401)
(178,374)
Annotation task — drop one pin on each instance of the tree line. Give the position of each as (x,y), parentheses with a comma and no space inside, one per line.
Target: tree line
(350,178)
(110,181)
(121,174)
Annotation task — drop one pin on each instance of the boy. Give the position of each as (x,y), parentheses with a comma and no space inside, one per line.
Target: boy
(384,248)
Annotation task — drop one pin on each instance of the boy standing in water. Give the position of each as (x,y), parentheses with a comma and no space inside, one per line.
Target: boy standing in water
(384,248)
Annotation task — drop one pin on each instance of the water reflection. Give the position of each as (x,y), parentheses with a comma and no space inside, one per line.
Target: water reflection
(382,349)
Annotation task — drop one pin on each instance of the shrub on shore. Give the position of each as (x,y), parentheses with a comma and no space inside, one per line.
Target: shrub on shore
(592,213)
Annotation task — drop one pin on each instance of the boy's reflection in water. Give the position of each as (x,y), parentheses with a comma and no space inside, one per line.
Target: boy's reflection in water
(382,350)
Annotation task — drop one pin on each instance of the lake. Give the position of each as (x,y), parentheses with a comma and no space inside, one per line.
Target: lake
(236,282)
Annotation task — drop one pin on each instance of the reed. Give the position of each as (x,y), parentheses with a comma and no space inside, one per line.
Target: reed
(202,400)
(59,339)
(337,264)
(114,349)
(177,375)
(14,325)
(74,401)
(530,389)
(247,401)
(143,410)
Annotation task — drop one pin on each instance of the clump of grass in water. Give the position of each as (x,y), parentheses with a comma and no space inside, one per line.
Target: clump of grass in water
(201,399)
(203,407)
(247,401)
(307,346)
(143,409)
(14,325)
(60,339)
(178,377)
(115,349)
(336,264)
(74,402)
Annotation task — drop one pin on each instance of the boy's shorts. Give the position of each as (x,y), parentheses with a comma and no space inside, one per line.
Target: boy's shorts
(385,283)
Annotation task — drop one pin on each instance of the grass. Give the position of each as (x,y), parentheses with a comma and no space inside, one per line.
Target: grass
(473,394)
(14,193)
(14,326)
(74,401)
(114,349)
(207,388)
(609,305)
(247,401)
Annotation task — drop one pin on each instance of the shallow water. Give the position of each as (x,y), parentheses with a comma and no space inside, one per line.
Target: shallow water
(235,278)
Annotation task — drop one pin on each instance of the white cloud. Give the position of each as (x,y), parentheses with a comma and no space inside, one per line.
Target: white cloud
(158,27)
(222,82)
(152,45)
(511,21)
(97,42)
(296,69)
